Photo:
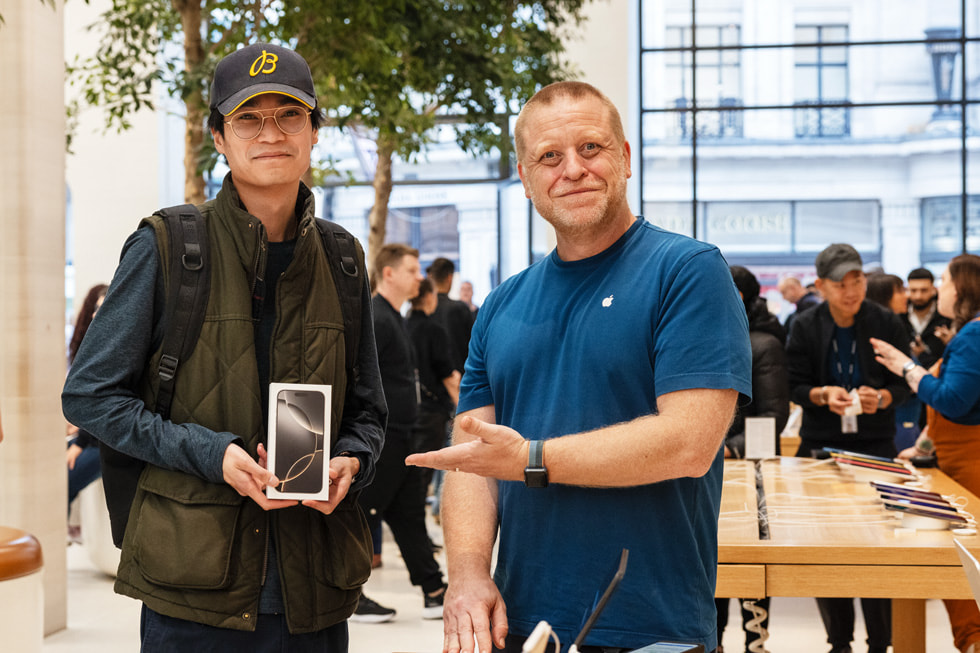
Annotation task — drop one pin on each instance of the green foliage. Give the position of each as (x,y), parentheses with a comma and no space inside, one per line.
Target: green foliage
(120,77)
(399,66)
(393,67)
(143,47)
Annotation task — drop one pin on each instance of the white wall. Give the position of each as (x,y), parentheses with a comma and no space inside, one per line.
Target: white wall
(113,179)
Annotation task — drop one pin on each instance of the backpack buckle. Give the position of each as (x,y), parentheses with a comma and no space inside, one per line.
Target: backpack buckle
(193,264)
(168,367)
(348,265)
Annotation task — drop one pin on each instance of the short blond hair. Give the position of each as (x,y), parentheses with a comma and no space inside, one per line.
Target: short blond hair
(571,91)
(390,256)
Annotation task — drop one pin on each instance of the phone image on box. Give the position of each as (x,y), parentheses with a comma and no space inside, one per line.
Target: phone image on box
(299,440)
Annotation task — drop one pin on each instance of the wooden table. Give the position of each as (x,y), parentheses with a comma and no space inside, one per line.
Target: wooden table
(829,536)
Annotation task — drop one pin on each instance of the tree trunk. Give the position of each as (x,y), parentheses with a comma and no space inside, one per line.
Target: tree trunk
(190,19)
(378,218)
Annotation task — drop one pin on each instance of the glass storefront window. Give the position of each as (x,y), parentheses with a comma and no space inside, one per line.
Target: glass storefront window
(841,124)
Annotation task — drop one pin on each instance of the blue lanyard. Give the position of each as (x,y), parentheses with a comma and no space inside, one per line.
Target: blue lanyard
(850,365)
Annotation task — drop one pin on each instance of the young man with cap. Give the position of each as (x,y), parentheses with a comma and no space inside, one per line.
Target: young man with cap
(217,564)
(848,399)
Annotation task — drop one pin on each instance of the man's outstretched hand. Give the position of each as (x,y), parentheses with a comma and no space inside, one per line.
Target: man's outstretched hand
(494,451)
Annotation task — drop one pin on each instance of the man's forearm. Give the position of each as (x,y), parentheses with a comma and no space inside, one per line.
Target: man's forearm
(681,441)
(469,521)
(469,512)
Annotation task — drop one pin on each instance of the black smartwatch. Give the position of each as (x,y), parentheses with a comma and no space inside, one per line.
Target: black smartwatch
(536,474)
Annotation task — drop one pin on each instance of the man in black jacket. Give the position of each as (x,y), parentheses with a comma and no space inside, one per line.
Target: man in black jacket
(398,492)
(453,315)
(923,319)
(848,399)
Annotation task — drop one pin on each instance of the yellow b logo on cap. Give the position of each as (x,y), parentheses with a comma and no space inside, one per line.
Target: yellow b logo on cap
(266,63)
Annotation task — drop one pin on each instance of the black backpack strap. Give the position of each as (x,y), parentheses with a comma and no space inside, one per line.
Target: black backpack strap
(341,250)
(187,294)
(189,285)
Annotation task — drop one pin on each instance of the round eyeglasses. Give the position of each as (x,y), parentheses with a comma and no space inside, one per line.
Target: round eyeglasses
(248,124)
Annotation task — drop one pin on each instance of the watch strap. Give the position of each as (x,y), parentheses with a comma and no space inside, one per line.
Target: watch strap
(535,474)
(908,367)
(535,454)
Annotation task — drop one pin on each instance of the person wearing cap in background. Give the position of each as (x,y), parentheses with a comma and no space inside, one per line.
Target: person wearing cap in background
(217,564)
(848,400)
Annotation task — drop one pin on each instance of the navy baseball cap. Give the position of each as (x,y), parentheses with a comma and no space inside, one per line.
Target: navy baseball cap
(257,69)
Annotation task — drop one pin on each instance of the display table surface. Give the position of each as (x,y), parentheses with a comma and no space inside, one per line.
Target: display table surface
(830,536)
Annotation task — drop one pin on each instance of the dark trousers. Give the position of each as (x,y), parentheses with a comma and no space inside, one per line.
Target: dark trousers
(397,495)
(838,619)
(838,614)
(162,634)
(429,434)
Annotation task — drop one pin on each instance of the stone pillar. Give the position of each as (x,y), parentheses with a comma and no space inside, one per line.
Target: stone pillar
(33,477)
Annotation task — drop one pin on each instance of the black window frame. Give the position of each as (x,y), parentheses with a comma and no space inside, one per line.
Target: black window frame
(698,110)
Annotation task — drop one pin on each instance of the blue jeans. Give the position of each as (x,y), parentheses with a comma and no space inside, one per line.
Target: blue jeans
(87,469)
(162,634)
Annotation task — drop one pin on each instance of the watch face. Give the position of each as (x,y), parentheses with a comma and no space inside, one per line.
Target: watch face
(536,477)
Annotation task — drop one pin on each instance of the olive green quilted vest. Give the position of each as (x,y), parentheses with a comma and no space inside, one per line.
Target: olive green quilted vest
(196,550)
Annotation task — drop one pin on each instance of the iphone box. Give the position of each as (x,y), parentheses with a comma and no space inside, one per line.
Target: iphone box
(299,440)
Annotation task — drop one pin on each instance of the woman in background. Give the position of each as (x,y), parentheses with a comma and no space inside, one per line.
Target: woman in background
(951,392)
(83,450)
(889,291)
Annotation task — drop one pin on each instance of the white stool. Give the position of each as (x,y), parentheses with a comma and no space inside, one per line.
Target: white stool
(96,531)
(21,591)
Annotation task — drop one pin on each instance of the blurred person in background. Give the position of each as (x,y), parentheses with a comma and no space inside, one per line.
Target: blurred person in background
(770,398)
(453,315)
(83,448)
(397,494)
(438,381)
(888,290)
(922,319)
(951,392)
(466,296)
(794,292)
(848,400)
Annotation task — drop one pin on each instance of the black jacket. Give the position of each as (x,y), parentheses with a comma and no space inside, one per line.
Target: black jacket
(807,355)
(456,319)
(934,346)
(770,388)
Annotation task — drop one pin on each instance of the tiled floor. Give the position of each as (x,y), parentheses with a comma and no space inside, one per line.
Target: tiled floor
(102,622)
